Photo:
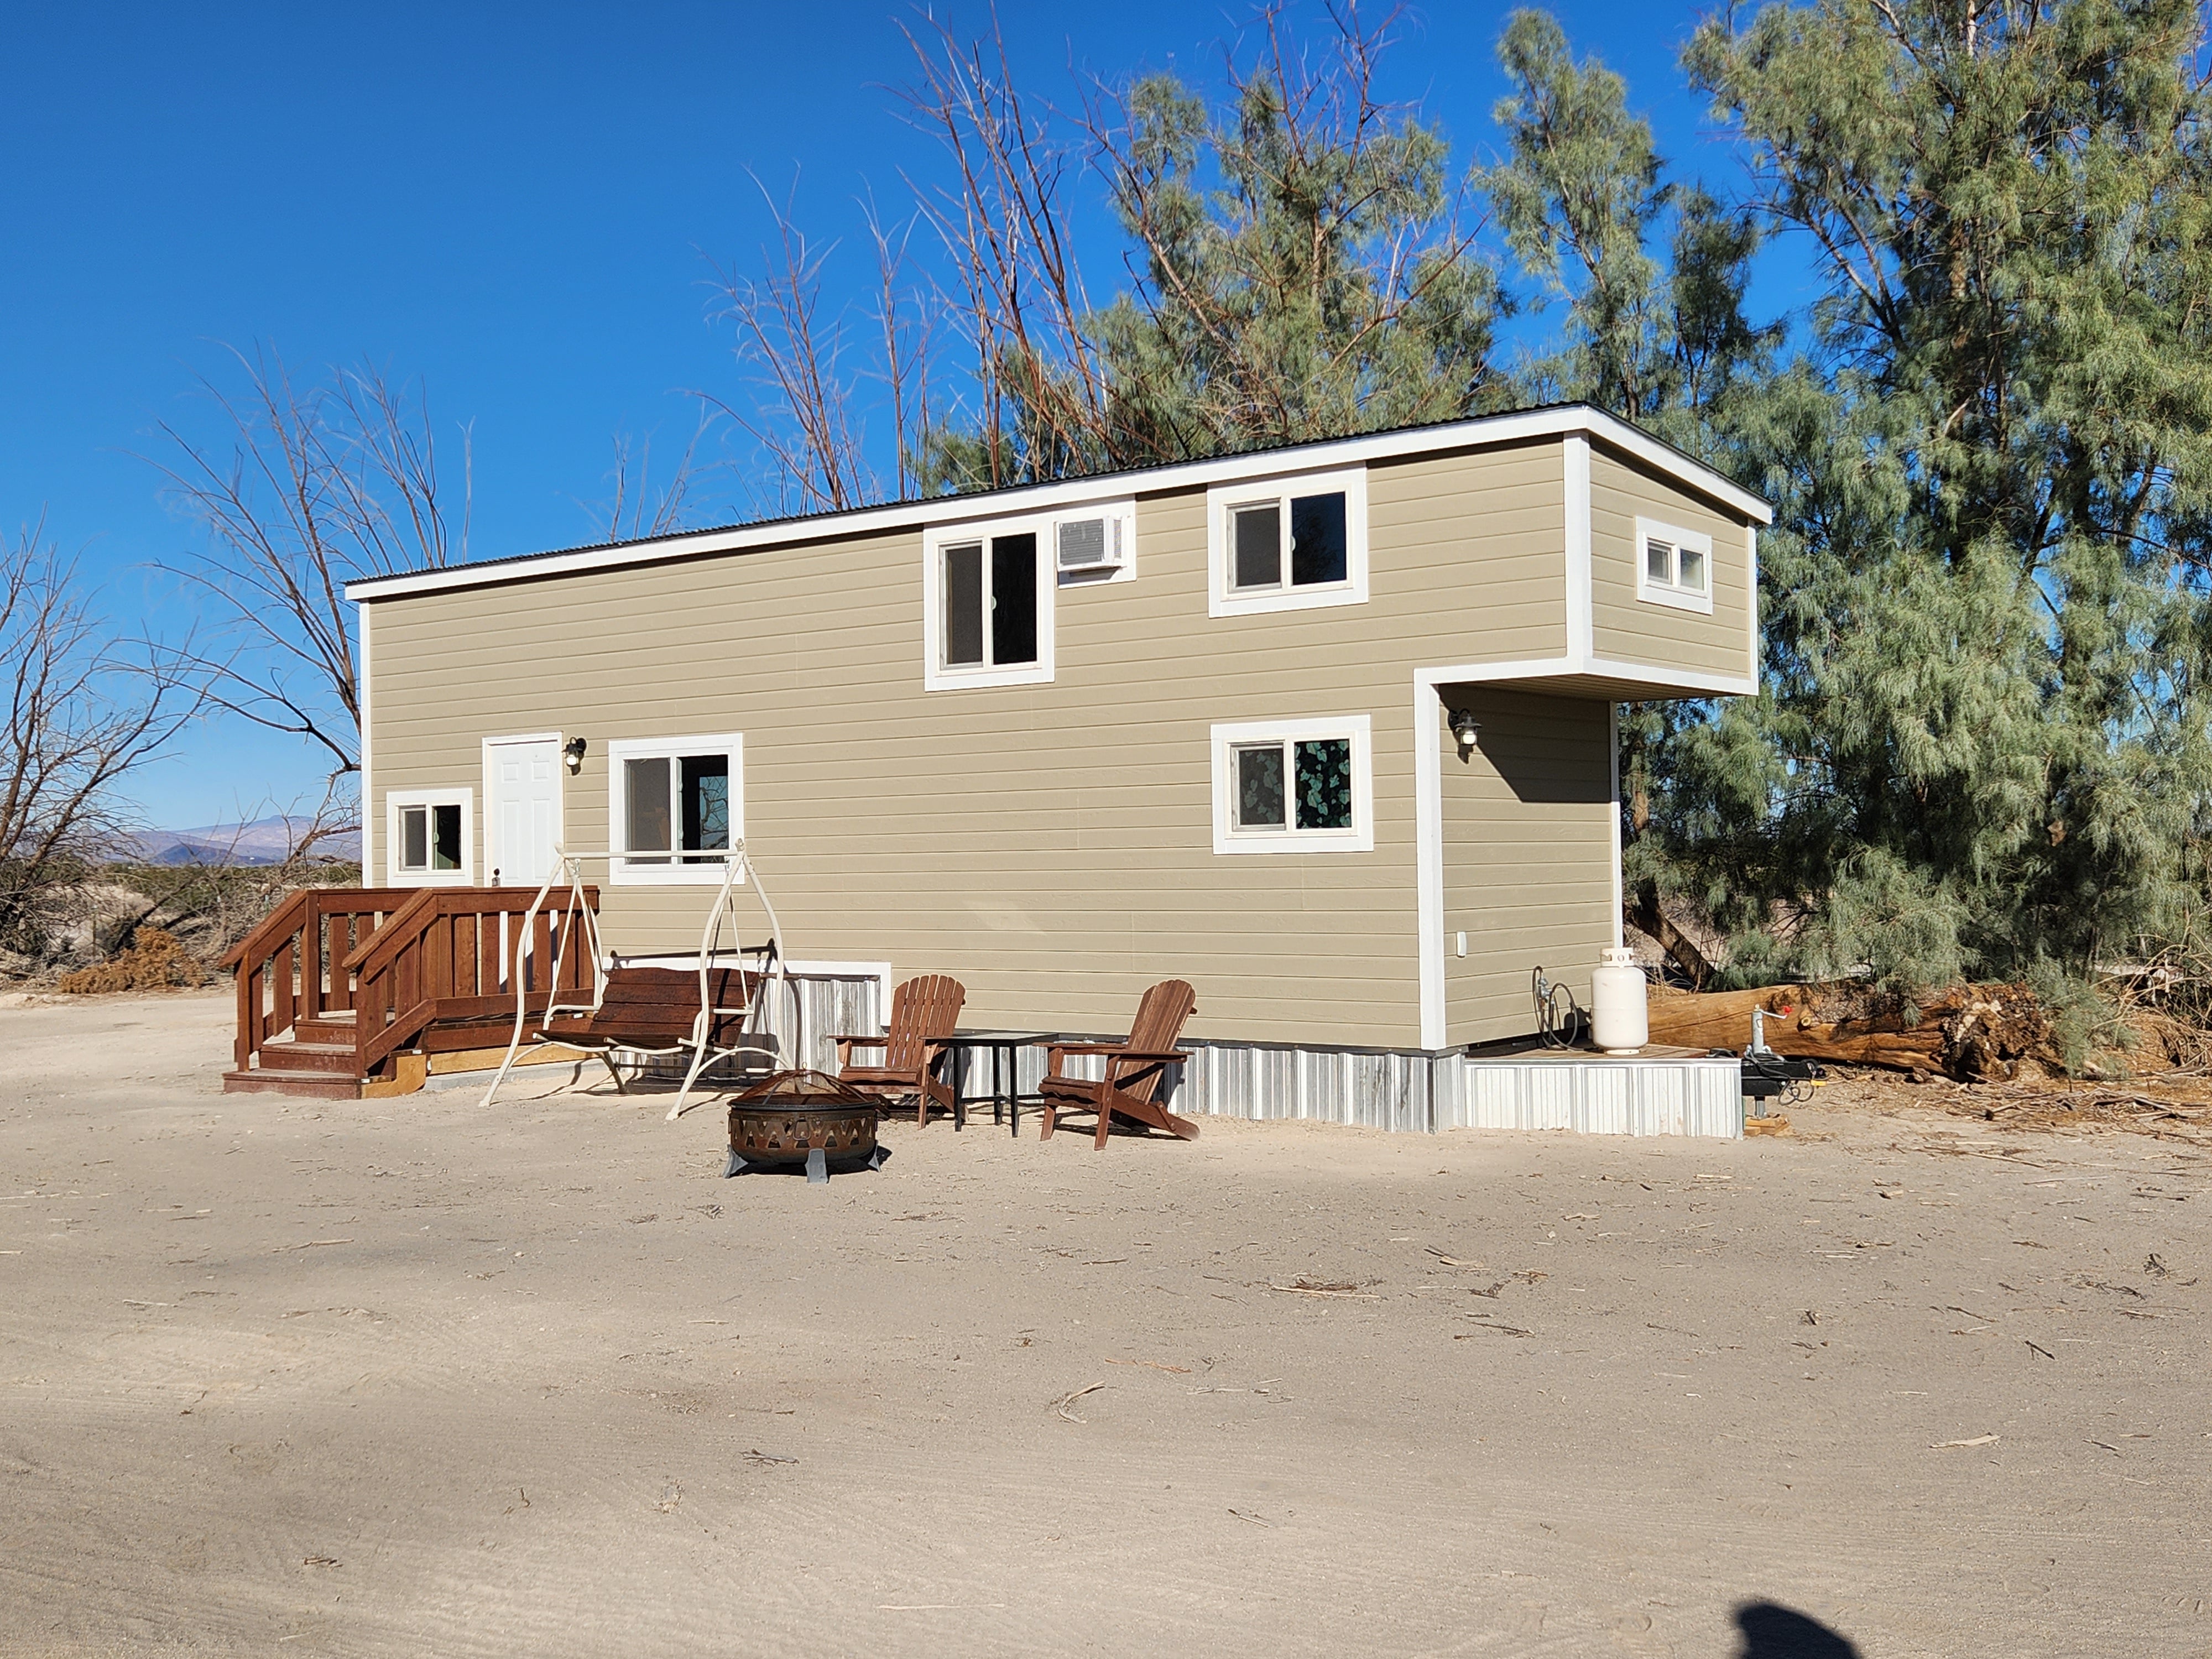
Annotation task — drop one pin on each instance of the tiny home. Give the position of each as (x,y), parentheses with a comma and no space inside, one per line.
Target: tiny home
(1326,730)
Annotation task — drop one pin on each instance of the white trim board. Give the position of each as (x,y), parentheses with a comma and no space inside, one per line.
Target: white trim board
(1581,580)
(1040,498)
(361,692)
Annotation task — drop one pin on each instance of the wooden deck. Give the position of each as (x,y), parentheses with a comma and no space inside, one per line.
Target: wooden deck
(341,990)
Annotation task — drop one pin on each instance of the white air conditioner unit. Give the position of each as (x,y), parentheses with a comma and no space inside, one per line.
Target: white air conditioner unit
(1089,547)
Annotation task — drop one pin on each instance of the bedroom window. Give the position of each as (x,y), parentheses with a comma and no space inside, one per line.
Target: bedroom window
(427,837)
(1289,544)
(1675,567)
(675,807)
(987,604)
(1293,786)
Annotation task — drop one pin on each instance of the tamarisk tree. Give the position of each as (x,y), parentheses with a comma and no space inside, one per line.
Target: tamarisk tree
(1982,746)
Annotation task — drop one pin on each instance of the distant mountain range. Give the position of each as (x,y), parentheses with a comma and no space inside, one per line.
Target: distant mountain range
(263,841)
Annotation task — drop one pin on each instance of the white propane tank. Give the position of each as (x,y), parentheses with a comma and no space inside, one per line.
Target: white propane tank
(1620,1023)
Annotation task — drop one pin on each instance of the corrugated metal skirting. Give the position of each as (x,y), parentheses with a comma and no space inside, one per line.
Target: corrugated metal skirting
(1596,1095)
(1590,1094)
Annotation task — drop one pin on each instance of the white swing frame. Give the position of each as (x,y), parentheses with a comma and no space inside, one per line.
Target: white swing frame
(582,921)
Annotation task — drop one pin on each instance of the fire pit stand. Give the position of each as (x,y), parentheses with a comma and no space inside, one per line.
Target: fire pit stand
(803,1117)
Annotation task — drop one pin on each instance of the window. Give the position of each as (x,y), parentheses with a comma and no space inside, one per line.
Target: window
(675,806)
(429,838)
(1288,543)
(1675,567)
(1298,786)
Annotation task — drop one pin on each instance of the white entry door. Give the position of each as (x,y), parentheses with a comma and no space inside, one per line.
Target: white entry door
(522,822)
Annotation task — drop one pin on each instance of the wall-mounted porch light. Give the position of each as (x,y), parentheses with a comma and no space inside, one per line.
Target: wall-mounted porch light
(1465,728)
(573,754)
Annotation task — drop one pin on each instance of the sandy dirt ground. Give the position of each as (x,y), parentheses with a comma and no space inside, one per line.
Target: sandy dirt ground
(408,1377)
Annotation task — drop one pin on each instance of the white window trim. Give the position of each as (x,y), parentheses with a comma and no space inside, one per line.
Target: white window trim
(935,677)
(394,800)
(1224,601)
(1360,838)
(1124,512)
(1680,598)
(706,874)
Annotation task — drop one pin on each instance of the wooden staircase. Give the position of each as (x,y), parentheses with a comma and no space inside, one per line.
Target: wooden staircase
(339,983)
(318,1060)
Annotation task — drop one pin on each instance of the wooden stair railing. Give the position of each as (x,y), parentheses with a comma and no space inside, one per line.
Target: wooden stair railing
(446,956)
(291,968)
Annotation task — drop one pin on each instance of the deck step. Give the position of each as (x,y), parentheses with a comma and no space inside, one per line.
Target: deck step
(309,1057)
(316,1086)
(333,1027)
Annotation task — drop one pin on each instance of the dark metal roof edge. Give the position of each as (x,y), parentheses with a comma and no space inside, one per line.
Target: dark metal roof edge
(830,519)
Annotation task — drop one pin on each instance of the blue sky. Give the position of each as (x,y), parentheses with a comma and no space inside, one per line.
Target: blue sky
(518,204)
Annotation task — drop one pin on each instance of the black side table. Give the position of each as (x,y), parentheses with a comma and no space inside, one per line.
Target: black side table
(1006,1083)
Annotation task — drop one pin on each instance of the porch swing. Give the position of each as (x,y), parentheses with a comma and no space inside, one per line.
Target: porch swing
(717,1012)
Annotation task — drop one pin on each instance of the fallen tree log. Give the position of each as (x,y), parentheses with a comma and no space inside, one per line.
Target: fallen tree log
(1966,1031)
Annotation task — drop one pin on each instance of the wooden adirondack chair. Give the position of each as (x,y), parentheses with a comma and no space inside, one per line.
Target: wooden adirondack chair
(1133,1069)
(923,1011)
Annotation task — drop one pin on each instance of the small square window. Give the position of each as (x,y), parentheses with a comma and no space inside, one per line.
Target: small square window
(1675,568)
(430,838)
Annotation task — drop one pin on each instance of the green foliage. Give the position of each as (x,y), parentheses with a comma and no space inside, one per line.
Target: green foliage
(1982,746)
(1581,202)
(1299,272)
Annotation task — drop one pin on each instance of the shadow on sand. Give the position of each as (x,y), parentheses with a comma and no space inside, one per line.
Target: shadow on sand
(1772,1632)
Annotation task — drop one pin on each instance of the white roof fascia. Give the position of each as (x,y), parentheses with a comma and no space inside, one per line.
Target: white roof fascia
(1694,682)
(1114,486)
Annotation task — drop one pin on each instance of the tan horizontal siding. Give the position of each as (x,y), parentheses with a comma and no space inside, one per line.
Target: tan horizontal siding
(1627,629)
(1528,856)
(1051,846)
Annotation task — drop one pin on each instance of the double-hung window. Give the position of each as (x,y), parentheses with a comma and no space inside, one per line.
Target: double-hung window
(428,837)
(1301,786)
(676,807)
(1288,543)
(1674,567)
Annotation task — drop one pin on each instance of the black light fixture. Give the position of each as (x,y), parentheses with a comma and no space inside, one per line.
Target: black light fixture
(1465,728)
(573,754)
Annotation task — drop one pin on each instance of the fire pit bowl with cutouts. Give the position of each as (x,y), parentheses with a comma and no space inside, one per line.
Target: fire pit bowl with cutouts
(803,1118)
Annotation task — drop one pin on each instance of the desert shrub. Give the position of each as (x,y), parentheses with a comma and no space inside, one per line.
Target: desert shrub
(154,961)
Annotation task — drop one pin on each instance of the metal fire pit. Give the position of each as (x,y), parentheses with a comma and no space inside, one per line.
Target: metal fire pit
(803,1117)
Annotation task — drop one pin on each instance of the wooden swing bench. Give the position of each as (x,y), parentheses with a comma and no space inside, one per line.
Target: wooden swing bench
(653,1013)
